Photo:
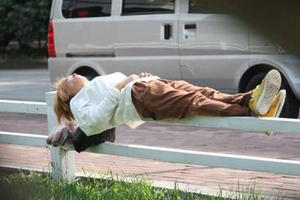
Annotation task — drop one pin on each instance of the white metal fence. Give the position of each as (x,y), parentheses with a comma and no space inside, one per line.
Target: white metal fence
(62,158)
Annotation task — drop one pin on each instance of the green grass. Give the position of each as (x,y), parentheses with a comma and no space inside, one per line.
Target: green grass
(39,186)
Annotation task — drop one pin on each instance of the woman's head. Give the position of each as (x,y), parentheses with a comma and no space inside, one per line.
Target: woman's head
(67,88)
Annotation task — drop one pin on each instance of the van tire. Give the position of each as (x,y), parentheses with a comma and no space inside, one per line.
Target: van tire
(291,107)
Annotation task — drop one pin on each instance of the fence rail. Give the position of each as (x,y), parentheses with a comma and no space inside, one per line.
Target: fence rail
(62,158)
(23,139)
(23,107)
(280,125)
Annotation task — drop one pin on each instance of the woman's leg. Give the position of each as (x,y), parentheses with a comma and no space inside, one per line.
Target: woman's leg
(160,100)
(240,98)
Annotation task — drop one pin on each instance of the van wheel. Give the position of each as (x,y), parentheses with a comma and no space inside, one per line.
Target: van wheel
(291,106)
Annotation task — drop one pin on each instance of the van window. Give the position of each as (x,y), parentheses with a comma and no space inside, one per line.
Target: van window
(86,8)
(205,6)
(143,7)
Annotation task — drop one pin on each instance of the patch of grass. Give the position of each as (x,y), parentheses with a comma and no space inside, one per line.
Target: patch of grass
(39,186)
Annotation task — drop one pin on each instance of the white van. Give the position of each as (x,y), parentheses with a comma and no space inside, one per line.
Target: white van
(174,39)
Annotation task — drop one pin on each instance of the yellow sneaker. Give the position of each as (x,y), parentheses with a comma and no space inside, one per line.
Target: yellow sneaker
(276,107)
(263,95)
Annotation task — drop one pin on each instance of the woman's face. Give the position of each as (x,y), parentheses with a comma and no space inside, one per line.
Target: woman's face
(74,83)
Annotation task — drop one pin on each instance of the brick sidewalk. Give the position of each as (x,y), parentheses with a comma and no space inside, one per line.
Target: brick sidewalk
(205,179)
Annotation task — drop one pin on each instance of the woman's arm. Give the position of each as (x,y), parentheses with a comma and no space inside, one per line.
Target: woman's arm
(93,119)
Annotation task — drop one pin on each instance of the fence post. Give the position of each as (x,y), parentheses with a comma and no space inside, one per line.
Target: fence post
(62,161)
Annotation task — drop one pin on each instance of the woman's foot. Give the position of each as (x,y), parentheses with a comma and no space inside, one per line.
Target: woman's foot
(263,95)
(276,107)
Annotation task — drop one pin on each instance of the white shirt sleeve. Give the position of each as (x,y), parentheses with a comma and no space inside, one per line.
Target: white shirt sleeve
(94,119)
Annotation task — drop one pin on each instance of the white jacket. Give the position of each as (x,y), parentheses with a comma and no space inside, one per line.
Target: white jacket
(99,105)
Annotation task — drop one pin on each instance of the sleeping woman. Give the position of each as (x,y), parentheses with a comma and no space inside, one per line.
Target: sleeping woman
(111,100)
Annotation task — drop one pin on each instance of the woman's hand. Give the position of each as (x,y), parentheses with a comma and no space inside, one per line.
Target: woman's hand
(144,74)
(124,82)
(130,78)
(63,136)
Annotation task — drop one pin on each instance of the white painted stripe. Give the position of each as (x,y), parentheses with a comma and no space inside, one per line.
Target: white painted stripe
(23,139)
(23,107)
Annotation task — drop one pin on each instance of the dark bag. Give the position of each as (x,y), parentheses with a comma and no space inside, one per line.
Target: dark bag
(81,142)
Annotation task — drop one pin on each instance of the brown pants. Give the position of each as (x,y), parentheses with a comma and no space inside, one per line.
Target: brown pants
(165,99)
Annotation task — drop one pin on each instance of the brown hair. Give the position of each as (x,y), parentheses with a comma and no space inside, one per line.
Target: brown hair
(62,102)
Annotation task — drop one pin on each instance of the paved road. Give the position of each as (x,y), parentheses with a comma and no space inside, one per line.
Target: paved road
(24,85)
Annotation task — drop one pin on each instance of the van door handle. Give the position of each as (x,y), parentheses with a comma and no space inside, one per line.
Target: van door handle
(189,26)
(167,31)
